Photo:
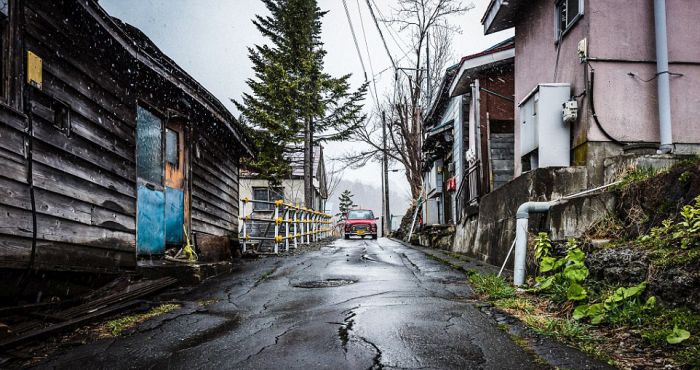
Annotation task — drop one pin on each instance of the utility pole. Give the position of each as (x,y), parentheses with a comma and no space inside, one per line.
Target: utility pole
(308,164)
(309,149)
(385,181)
(427,67)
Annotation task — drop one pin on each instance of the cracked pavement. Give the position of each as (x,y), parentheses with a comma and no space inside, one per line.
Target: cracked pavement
(403,310)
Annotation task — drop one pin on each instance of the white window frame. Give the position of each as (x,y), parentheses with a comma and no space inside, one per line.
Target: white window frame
(558,33)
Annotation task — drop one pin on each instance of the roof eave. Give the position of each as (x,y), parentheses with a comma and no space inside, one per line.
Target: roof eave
(480,63)
(500,15)
(197,92)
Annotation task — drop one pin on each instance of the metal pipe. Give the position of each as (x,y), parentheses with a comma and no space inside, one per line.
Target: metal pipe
(663,84)
(522,216)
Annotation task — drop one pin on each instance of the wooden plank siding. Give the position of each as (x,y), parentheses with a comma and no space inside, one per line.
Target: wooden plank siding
(84,178)
(214,190)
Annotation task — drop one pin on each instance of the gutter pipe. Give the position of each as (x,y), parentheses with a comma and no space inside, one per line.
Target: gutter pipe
(521,224)
(664,89)
(522,216)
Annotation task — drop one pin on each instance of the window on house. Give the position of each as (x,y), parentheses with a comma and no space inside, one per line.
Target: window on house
(568,12)
(149,155)
(267,195)
(171,147)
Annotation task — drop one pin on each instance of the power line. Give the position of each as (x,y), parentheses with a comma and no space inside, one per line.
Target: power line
(354,38)
(369,55)
(381,35)
(391,30)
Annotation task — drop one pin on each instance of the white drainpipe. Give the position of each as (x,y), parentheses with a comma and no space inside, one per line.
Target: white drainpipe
(664,88)
(522,217)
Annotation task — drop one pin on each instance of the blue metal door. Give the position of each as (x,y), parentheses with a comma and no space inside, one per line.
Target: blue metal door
(174,215)
(150,204)
(150,234)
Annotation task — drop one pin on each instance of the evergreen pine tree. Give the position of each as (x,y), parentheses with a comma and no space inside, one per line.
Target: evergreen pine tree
(290,88)
(345,201)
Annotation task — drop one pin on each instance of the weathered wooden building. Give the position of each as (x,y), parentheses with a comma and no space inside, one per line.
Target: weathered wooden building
(468,145)
(107,147)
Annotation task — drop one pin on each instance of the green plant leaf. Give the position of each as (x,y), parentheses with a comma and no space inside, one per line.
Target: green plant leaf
(633,291)
(651,303)
(545,283)
(547,264)
(580,312)
(576,272)
(575,255)
(576,292)
(597,319)
(678,335)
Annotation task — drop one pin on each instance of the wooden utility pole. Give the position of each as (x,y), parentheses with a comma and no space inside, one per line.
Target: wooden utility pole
(308,164)
(385,181)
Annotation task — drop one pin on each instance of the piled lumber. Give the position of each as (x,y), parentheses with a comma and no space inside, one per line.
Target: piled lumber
(83,313)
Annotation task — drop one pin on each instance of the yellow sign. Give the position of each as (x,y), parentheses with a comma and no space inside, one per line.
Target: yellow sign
(34,70)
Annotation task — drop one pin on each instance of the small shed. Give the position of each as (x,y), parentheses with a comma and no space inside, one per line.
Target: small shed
(108,149)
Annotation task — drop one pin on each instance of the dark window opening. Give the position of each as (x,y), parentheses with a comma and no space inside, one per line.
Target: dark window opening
(267,195)
(61,116)
(172,147)
(568,12)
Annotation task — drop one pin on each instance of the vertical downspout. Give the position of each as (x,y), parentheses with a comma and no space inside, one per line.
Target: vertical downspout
(664,89)
(476,96)
(522,217)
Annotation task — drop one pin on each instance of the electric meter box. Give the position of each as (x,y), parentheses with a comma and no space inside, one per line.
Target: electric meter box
(544,137)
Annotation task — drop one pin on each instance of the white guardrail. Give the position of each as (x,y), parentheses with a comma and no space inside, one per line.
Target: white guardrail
(294,225)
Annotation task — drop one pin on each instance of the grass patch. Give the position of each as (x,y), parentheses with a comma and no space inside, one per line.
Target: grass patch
(521,304)
(658,325)
(635,175)
(207,302)
(266,275)
(116,327)
(665,257)
(491,286)
(557,327)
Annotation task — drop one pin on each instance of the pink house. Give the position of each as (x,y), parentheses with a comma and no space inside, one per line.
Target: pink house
(607,53)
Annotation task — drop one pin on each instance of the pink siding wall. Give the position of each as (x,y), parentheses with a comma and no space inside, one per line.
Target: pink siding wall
(625,105)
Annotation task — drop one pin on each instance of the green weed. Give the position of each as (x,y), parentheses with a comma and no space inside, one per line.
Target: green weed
(117,326)
(491,286)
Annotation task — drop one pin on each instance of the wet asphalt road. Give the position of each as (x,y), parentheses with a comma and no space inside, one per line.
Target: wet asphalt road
(403,311)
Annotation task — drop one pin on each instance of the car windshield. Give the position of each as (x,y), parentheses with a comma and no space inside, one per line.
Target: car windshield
(360,215)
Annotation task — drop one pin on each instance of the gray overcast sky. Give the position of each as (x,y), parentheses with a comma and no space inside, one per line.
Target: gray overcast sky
(209,39)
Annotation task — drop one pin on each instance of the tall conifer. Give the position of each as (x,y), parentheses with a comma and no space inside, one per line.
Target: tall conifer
(290,89)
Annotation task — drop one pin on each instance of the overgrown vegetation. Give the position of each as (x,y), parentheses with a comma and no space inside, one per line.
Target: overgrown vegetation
(562,279)
(630,325)
(116,327)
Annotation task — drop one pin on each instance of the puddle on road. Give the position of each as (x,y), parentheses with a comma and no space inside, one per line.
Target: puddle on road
(328,283)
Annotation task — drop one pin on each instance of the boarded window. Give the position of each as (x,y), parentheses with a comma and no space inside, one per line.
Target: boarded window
(172,147)
(149,156)
(61,116)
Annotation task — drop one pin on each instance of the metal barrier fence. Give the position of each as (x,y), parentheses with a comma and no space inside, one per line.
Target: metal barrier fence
(293,224)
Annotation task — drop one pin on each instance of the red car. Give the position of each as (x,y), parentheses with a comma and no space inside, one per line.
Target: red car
(360,222)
